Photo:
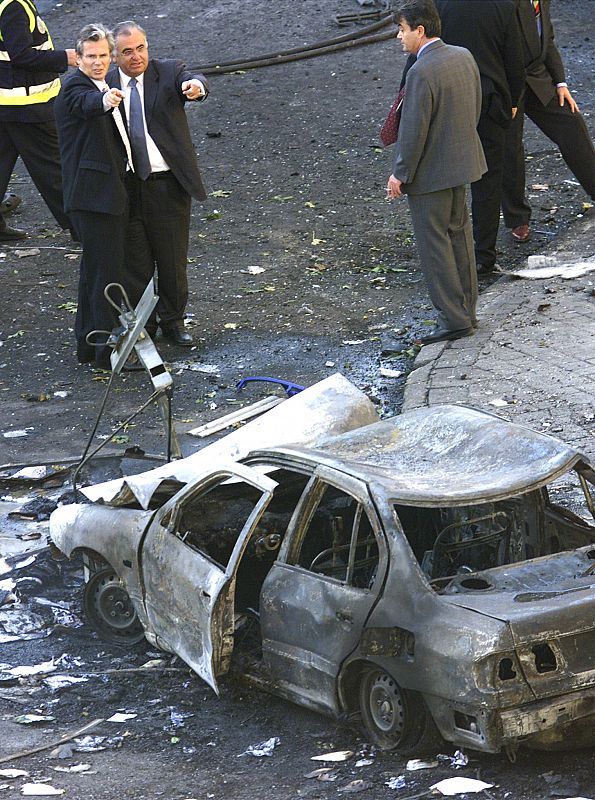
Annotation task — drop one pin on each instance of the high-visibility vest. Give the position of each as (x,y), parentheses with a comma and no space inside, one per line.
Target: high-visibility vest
(35,93)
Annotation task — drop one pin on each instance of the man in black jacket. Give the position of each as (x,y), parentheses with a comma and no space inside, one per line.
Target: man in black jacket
(165,177)
(94,163)
(548,102)
(488,28)
(29,82)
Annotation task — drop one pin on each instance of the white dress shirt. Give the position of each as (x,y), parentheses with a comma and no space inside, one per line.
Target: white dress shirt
(158,163)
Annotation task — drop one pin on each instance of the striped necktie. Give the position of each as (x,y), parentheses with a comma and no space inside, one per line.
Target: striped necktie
(537,10)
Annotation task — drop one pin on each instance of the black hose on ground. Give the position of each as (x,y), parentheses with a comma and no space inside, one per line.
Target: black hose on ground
(344,42)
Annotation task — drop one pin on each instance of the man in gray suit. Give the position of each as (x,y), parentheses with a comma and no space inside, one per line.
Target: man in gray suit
(437,153)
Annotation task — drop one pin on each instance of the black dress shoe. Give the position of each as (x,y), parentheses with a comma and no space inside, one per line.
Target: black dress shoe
(11,234)
(485,269)
(177,335)
(446,335)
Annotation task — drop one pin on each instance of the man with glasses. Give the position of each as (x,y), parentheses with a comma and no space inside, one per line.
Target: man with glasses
(165,176)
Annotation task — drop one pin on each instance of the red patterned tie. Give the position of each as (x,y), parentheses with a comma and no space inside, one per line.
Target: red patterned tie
(537,10)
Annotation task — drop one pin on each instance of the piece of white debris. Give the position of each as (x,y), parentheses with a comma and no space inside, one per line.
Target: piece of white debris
(418,763)
(40,790)
(453,786)
(121,717)
(262,749)
(339,755)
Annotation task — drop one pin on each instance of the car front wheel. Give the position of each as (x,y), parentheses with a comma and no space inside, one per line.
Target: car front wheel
(395,718)
(109,610)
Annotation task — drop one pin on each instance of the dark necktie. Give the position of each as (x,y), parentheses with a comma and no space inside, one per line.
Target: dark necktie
(537,10)
(138,141)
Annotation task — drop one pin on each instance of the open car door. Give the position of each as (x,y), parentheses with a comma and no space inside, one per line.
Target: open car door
(189,560)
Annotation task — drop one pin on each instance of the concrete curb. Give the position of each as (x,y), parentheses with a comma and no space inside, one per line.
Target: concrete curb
(532,360)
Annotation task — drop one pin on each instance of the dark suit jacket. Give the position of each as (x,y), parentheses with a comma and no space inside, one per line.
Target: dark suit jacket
(92,153)
(166,119)
(543,62)
(490,31)
(438,146)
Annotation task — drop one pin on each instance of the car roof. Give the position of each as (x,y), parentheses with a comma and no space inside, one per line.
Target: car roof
(442,455)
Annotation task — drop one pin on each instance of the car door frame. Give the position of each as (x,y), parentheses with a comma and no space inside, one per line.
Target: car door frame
(206,615)
(300,659)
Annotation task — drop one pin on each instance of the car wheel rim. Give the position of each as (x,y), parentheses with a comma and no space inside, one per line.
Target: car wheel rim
(114,607)
(386,705)
(109,608)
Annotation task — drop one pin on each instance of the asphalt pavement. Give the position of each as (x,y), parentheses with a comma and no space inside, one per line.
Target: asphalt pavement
(532,360)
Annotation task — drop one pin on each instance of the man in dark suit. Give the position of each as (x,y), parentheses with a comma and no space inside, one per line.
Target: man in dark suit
(95,197)
(166,174)
(437,153)
(489,30)
(548,102)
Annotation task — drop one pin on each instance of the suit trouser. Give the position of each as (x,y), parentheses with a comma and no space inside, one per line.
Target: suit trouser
(102,237)
(37,144)
(486,193)
(565,129)
(157,238)
(445,246)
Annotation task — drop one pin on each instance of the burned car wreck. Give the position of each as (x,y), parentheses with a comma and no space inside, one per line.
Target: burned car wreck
(414,571)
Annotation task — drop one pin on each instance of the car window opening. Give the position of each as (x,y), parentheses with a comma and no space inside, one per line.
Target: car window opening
(455,541)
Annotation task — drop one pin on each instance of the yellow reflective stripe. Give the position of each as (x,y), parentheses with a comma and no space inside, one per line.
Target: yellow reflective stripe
(45,46)
(36,94)
(28,11)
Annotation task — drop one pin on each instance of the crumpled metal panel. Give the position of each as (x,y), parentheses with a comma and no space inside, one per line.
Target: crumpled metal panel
(327,408)
(446,455)
(115,537)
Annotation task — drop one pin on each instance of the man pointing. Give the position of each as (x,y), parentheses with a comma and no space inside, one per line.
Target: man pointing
(165,176)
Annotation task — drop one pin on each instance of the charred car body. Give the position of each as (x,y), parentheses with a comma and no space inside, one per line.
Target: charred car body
(414,571)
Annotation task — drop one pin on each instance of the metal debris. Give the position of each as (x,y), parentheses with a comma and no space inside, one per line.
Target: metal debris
(235,417)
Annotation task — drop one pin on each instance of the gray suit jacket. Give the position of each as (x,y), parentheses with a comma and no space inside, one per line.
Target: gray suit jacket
(438,146)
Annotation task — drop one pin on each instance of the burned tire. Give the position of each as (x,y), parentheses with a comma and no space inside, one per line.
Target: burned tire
(395,718)
(109,610)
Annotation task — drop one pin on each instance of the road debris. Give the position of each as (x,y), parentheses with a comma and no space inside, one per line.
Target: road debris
(418,763)
(55,743)
(544,267)
(76,768)
(338,755)
(323,774)
(459,759)
(13,773)
(236,417)
(27,252)
(453,786)
(263,749)
(40,790)
(121,717)
(354,787)
(397,782)
(34,719)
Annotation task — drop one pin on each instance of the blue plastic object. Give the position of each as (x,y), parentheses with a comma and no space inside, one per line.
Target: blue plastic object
(290,387)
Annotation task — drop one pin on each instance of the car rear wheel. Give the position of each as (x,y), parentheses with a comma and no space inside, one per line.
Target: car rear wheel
(395,718)
(109,610)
